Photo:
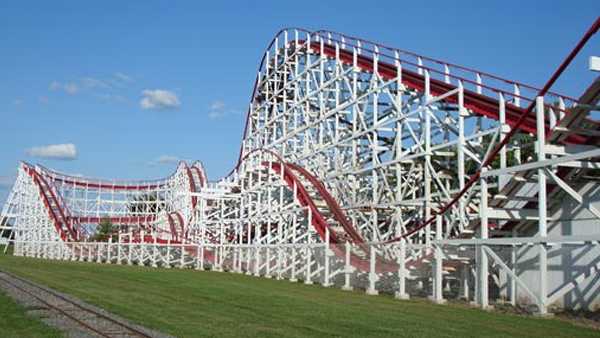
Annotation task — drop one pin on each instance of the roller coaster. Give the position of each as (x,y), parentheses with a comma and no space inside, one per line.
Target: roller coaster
(361,166)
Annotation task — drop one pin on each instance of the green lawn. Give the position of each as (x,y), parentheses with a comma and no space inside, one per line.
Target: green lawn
(14,322)
(188,303)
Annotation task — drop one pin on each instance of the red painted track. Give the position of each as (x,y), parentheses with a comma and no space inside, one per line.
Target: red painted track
(64,222)
(67,224)
(318,221)
(478,103)
(518,118)
(60,221)
(320,224)
(591,31)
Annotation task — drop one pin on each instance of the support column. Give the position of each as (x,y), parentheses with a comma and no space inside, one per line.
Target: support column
(154,251)
(513,281)
(167,259)
(98,252)
(308,279)
(464,286)
(119,245)
(197,267)
(326,282)
(401,293)
(108,252)
(129,249)
(202,256)
(482,263)
(542,208)
(427,164)
(437,295)
(182,258)
(347,269)
(74,257)
(257,260)
(309,251)
(141,251)
(279,258)
(293,247)
(371,290)
(460,153)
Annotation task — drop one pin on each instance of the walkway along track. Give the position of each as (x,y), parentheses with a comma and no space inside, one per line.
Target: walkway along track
(85,317)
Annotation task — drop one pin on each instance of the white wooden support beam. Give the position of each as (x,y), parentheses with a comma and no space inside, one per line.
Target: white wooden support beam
(402,272)
(542,221)
(482,259)
(373,278)
(348,269)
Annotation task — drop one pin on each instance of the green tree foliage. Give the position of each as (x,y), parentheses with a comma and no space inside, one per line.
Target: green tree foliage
(105,231)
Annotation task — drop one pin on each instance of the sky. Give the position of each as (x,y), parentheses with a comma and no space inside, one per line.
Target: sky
(124,90)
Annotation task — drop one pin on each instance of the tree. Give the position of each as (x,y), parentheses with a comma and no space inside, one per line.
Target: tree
(105,230)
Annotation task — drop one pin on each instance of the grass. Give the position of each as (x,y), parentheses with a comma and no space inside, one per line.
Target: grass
(14,322)
(187,303)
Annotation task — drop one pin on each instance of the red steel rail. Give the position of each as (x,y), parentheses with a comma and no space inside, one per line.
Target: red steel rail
(518,118)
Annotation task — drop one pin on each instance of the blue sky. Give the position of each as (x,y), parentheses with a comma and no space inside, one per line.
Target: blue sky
(132,86)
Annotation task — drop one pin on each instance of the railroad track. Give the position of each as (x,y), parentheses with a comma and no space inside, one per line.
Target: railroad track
(83,319)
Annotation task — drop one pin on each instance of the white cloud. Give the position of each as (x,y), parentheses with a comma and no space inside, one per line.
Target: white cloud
(165,159)
(111,89)
(66,151)
(218,109)
(159,99)
(18,102)
(214,114)
(117,80)
(71,88)
(120,80)
(217,105)
(123,77)
(90,82)
(55,85)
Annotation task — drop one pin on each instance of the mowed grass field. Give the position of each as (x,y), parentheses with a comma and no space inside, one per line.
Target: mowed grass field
(187,303)
(14,322)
